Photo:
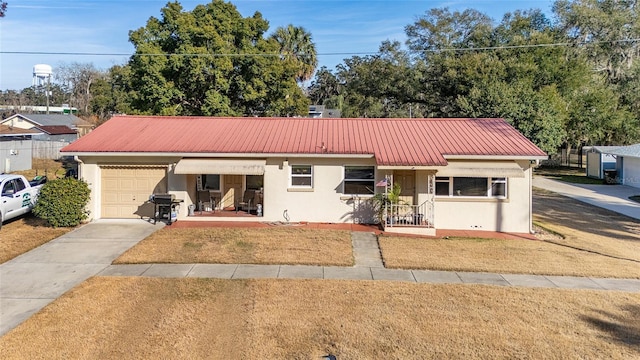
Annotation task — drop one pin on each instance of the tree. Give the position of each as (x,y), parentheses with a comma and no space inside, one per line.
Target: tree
(112,93)
(440,29)
(3,8)
(296,46)
(77,79)
(211,61)
(324,87)
(607,29)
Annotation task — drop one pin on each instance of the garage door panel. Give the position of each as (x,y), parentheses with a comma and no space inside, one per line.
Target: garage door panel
(125,191)
(631,172)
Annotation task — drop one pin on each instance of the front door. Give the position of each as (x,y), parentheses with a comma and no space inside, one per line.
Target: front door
(232,190)
(407,181)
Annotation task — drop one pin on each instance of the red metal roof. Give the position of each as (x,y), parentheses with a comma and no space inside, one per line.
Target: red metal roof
(399,142)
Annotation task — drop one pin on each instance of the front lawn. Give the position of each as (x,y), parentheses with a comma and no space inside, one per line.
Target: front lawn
(276,245)
(500,256)
(153,318)
(597,242)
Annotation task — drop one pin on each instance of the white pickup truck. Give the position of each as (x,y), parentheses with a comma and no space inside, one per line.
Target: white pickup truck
(18,196)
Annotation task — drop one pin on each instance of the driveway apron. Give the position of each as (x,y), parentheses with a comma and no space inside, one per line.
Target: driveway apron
(34,279)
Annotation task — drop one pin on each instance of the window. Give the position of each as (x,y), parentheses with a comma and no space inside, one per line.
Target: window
(255,182)
(8,188)
(20,185)
(468,186)
(211,182)
(302,176)
(359,180)
(498,187)
(442,186)
(471,187)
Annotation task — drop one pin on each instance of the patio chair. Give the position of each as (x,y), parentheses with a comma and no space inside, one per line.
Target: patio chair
(247,203)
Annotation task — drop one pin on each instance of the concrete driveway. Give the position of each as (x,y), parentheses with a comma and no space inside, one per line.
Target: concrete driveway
(34,279)
(610,197)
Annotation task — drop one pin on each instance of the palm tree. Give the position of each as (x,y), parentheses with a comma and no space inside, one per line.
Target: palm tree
(296,45)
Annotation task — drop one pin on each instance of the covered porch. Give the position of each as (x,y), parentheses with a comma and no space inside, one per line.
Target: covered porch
(221,189)
(408,201)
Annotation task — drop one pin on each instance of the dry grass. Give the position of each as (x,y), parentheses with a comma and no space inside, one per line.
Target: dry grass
(243,246)
(588,227)
(596,242)
(25,233)
(500,256)
(51,168)
(131,318)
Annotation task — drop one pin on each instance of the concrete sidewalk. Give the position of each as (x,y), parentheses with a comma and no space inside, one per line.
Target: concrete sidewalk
(610,197)
(34,279)
(249,271)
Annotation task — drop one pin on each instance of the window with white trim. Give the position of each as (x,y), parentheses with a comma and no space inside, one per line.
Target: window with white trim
(498,187)
(471,187)
(301,176)
(359,180)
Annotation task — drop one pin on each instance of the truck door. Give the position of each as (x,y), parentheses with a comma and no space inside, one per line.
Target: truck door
(11,199)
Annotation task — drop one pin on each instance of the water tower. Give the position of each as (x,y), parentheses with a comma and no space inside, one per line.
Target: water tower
(42,78)
(42,74)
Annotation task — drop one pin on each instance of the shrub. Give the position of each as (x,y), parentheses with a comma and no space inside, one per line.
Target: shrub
(62,202)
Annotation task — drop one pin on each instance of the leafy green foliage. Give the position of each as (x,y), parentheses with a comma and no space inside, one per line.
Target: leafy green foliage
(296,46)
(461,64)
(62,202)
(212,61)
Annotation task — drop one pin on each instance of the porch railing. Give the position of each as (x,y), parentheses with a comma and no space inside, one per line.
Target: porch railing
(402,215)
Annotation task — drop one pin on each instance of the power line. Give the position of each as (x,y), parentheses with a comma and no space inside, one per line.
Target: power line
(485,48)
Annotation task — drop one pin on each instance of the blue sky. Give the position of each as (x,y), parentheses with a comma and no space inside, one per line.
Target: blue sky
(340,29)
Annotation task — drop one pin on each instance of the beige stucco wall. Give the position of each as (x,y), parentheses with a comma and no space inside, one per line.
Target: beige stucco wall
(512,214)
(89,170)
(326,202)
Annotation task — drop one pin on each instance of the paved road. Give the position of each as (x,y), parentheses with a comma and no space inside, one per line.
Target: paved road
(610,197)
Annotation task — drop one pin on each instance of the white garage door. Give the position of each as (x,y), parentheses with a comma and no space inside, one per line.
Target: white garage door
(126,190)
(631,171)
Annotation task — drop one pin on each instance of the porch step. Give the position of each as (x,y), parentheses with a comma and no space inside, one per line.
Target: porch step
(366,250)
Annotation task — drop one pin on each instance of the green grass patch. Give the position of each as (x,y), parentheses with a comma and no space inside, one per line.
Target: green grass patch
(577,179)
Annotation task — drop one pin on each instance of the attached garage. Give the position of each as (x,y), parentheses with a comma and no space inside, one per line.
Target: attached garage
(126,190)
(628,164)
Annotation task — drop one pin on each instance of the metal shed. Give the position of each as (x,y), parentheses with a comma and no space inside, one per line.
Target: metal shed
(600,159)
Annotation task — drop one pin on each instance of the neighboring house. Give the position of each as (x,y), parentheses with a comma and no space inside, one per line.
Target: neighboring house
(56,133)
(29,121)
(627,164)
(599,159)
(319,111)
(15,148)
(454,173)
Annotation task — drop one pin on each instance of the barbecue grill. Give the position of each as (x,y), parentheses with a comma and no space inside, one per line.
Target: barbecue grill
(165,206)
